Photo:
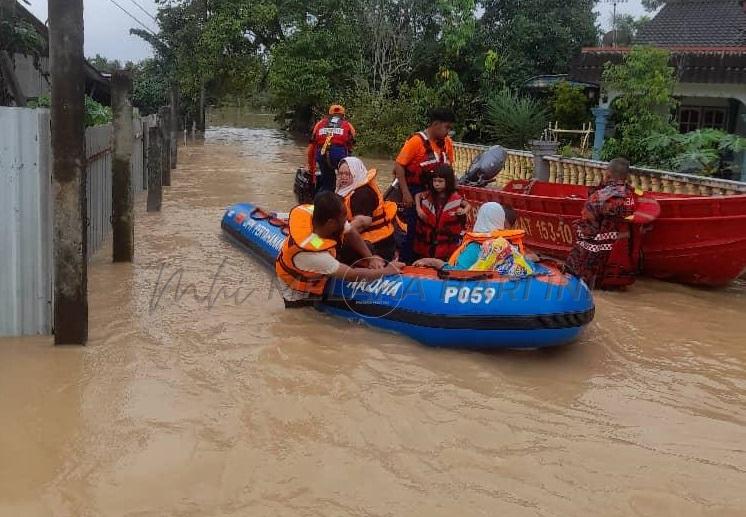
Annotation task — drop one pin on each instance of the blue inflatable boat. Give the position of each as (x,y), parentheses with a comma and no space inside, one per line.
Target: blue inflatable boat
(442,309)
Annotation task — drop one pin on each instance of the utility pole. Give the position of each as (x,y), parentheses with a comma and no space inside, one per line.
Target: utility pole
(69,172)
(122,204)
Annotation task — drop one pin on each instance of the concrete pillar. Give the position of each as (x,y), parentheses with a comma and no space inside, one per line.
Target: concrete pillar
(155,170)
(122,204)
(540,149)
(602,117)
(174,128)
(164,124)
(69,172)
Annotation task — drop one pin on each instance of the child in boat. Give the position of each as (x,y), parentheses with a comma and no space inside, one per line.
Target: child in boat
(491,246)
(441,216)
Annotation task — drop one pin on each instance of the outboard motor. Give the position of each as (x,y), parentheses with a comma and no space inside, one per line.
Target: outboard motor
(485,167)
(303,188)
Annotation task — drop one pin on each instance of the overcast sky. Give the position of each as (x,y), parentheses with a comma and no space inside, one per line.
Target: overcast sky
(107,26)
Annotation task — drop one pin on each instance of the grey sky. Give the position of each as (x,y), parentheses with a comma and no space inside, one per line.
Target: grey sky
(107,27)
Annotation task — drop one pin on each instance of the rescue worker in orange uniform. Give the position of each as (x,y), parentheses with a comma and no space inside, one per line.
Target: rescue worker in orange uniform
(332,140)
(421,154)
(361,195)
(308,256)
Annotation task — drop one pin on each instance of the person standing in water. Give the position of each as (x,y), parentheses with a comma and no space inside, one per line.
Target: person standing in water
(601,224)
(419,156)
(332,140)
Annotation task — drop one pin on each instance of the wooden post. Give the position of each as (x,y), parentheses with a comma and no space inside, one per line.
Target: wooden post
(122,218)
(155,169)
(174,127)
(164,125)
(69,172)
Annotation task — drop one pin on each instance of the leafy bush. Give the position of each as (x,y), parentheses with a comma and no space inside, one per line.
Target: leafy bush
(704,152)
(512,120)
(96,114)
(570,106)
(645,82)
(384,124)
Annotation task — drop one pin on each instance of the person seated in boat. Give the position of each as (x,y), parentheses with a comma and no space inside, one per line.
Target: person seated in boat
(601,225)
(307,258)
(491,246)
(358,188)
(441,215)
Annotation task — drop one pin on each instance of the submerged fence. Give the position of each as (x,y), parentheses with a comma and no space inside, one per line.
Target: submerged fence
(576,171)
(26,210)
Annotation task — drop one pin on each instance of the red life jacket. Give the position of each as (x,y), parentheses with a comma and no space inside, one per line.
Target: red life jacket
(613,254)
(624,261)
(333,130)
(415,171)
(439,234)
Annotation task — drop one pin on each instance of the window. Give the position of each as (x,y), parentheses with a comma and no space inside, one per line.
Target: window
(689,119)
(692,118)
(713,118)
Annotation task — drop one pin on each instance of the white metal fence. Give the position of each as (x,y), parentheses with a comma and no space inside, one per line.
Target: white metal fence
(25,222)
(26,214)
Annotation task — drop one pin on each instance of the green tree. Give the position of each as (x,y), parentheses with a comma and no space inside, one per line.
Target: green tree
(102,64)
(644,82)
(149,86)
(652,5)
(537,36)
(570,106)
(628,26)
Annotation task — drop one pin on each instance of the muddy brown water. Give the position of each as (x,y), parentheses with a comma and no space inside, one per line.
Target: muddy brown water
(200,404)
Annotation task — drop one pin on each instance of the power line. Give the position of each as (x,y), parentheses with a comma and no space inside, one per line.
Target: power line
(139,6)
(133,17)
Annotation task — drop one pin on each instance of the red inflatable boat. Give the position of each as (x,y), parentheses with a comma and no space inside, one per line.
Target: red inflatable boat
(695,240)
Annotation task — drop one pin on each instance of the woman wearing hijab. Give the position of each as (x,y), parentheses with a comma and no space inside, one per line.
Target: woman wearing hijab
(358,188)
(491,243)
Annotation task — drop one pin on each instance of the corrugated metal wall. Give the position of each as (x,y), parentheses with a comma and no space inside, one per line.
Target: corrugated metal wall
(34,83)
(26,212)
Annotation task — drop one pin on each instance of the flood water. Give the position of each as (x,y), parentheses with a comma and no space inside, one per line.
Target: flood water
(199,403)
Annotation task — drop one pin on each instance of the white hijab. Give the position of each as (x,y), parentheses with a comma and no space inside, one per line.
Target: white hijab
(359,175)
(491,217)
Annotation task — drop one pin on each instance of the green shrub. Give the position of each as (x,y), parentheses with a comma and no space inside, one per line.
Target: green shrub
(704,152)
(512,120)
(569,106)
(96,114)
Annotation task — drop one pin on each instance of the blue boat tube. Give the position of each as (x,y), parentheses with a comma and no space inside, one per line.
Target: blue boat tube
(441,309)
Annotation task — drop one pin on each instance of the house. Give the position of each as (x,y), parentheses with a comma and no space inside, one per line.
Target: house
(707,41)
(33,78)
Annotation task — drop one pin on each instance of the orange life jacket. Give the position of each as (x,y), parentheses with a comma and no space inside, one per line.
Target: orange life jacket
(439,234)
(515,237)
(302,239)
(383,216)
(416,171)
(333,130)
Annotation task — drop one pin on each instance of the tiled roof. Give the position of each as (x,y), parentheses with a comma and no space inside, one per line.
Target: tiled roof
(697,23)
(724,65)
